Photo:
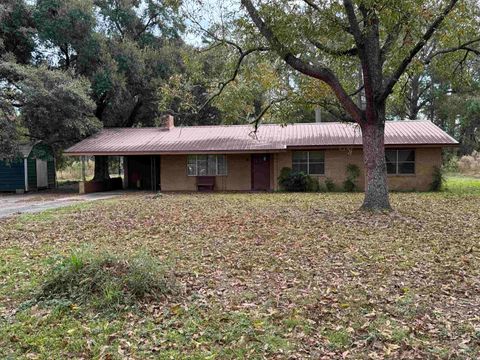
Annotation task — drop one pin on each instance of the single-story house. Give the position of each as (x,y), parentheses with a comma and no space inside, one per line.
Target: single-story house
(234,158)
(33,169)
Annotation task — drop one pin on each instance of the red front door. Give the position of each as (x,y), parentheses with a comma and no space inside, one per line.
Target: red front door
(261,172)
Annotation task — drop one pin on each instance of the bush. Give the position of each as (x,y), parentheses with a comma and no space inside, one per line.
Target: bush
(353,172)
(438,179)
(294,181)
(321,187)
(451,164)
(312,184)
(284,176)
(330,185)
(106,281)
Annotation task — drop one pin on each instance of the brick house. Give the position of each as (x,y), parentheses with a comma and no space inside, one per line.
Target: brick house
(233,158)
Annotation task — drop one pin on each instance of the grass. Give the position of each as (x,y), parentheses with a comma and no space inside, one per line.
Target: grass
(256,276)
(459,184)
(106,281)
(51,215)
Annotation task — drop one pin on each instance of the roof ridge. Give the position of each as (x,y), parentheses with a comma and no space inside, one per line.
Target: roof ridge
(250,125)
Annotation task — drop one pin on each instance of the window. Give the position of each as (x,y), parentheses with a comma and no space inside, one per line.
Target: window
(400,161)
(206,165)
(309,162)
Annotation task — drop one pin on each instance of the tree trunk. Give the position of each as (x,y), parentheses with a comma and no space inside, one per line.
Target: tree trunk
(413,98)
(376,187)
(101,168)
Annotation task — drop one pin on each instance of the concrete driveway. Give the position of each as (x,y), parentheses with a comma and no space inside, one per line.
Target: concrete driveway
(32,203)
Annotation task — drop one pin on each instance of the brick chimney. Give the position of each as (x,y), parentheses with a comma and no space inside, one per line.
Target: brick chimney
(168,121)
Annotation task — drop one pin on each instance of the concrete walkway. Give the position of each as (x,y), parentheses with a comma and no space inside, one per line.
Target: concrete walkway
(32,203)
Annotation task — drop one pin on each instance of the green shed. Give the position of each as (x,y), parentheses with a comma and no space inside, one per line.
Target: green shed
(34,169)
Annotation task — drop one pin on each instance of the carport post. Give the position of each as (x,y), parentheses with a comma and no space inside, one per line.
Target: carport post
(25,167)
(83,168)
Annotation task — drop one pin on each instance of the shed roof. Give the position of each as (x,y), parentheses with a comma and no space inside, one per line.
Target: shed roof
(25,149)
(240,138)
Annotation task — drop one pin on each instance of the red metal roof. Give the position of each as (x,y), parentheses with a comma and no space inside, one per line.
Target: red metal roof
(240,138)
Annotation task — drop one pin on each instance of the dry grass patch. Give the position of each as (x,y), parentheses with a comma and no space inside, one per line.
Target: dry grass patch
(262,276)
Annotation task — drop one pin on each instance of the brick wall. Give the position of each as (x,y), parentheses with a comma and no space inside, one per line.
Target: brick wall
(173,174)
(174,170)
(336,161)
(425,161)
(238,174)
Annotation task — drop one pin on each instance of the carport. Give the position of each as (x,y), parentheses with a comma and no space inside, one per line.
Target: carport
(140,172)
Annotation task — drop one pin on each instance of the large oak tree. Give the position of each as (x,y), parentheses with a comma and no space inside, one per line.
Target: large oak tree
(379,40)
(126,49)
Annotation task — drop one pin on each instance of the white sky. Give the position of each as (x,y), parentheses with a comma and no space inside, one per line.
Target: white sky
(206,13)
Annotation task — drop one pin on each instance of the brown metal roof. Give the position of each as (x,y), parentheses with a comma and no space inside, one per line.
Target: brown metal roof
(240,138)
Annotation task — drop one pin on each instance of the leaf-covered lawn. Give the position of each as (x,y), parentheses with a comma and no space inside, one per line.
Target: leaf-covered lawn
(261,276)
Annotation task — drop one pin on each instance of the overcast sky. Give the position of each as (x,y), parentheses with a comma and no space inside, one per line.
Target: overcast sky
(206,13)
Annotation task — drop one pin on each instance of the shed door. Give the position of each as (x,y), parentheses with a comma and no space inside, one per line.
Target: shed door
(260,171)
(42,174)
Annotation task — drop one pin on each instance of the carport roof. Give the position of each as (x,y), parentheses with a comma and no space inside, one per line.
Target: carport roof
(241,138)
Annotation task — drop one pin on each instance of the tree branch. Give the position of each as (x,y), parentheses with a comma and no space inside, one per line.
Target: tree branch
(211,47)
(256,121)
(465,46)
(393,79)
(312,5)
(356,92)
(335,18)
(461,63)
(243,55)
(335,52)
(392,38)
(352,19)
(333,108)
(319,72)
(222,85)
(215,37)
(119,28)
(65,52)
(145,27)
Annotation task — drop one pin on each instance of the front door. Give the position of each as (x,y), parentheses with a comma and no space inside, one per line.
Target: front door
(261,172)
(42,173)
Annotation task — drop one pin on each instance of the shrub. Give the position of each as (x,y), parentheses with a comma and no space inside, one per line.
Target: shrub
(353,172)
(451,164)
(312,184)
(294,181)
(106,280)
(321,187)
(284,176)
(438,179)
(330,185)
